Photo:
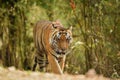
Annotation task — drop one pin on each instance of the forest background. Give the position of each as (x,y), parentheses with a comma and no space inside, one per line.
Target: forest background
(96,33)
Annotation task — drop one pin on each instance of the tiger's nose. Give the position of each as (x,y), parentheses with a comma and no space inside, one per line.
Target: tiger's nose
(63,49)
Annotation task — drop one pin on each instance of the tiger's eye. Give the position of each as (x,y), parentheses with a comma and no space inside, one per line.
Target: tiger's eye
(66,33)
(60,33)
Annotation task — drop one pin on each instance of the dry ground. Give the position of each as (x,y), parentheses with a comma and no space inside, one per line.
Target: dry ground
(13,74)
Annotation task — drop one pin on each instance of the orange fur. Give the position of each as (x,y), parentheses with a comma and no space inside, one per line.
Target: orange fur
(44,34)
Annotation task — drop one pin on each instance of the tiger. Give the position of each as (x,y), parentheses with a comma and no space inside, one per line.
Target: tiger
(52,42)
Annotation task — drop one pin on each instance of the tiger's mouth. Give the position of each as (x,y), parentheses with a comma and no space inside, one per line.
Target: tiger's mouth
(61,52)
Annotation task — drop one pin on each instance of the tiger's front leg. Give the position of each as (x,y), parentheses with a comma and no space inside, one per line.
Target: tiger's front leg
(62,63)
(54,64)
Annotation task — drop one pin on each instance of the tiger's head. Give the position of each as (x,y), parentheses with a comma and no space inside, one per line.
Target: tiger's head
(61,39)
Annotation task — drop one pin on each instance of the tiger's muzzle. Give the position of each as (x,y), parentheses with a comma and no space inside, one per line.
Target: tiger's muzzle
(61,52)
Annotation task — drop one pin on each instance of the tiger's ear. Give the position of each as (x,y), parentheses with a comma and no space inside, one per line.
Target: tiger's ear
(70,28)
(53,25)
(56,24)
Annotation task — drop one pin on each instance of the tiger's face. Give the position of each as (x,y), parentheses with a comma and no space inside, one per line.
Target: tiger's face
(61,40)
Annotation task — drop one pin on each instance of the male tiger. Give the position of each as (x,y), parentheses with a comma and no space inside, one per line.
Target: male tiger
(51,41)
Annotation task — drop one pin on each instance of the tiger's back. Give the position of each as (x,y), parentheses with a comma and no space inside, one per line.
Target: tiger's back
(40,34)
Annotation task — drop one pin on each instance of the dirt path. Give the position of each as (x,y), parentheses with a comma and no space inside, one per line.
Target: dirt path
(13,74)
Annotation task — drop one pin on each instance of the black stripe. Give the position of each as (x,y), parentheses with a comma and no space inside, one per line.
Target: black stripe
(35,64)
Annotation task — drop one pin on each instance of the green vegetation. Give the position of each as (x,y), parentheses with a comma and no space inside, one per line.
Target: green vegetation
(96,33)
